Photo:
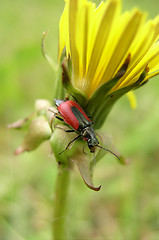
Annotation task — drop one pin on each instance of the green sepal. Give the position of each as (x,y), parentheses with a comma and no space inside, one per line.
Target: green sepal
(66,80)
(106,141)
(103,109)
(60,93)
(83,163)
(97,98)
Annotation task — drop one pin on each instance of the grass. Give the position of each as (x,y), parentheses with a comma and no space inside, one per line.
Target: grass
(127,205)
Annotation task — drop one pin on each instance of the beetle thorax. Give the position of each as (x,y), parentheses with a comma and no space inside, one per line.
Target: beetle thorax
(89,135)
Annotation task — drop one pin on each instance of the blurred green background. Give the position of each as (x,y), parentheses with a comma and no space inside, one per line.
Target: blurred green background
(127,207)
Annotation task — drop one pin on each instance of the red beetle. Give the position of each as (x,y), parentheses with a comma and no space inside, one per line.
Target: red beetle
(72,113)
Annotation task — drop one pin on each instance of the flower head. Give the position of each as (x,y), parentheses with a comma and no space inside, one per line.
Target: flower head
(98,40)
(103,54)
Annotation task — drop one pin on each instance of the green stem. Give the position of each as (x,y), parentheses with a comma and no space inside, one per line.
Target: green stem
(60,218)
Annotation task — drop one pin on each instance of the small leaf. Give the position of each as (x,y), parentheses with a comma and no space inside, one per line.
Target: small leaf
(22,123)
(46,56)
(83,163)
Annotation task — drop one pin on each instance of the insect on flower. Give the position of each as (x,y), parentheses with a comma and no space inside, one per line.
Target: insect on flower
(72,114)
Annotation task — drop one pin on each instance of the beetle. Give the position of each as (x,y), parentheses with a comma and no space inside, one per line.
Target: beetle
(72,113)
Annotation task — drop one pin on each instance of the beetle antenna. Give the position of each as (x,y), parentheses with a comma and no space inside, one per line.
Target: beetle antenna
(109,151)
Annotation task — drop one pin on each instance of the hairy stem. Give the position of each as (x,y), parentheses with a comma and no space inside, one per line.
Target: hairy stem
(60,217)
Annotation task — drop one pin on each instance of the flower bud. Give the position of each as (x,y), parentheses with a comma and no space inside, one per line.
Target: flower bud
(37,126)
(42,104)
(38,132)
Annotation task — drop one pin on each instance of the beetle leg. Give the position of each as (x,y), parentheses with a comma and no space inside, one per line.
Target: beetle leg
(70,143)
(56,115)
(70,130)
(59,118)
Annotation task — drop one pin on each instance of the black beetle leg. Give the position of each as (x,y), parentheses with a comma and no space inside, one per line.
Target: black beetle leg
(69,131)
(70,143)
(56,115)
(59,118)
(52,118)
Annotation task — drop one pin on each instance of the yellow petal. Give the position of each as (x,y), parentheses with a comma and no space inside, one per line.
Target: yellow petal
(149,34)
(151,58)
(100,39)
(126,38)
(63,31)
(132,99)
(73,8)
(128,27)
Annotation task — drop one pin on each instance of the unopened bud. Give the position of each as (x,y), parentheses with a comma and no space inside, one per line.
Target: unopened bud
(38,132)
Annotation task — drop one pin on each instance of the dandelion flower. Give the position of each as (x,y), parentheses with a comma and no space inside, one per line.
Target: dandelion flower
(112,53)
(103,55)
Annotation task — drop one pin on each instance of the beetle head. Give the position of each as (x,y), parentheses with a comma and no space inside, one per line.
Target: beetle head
(58,102)
(89,136)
